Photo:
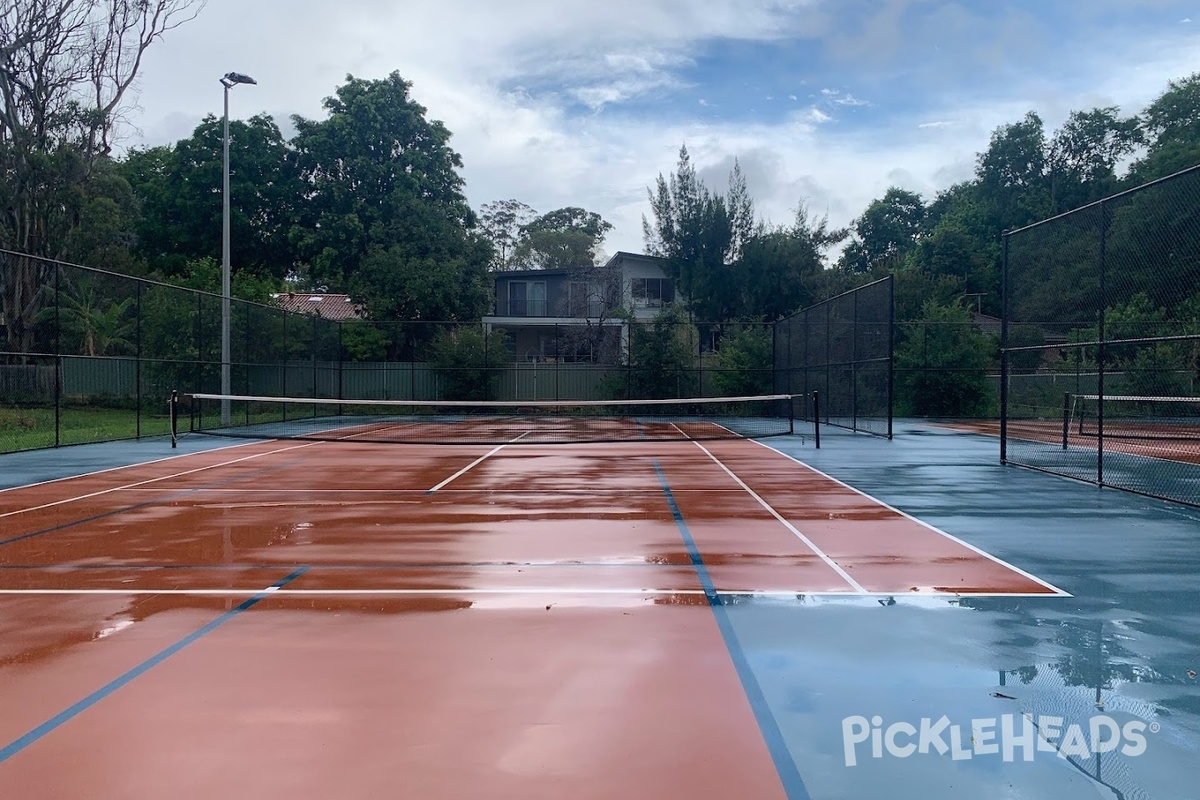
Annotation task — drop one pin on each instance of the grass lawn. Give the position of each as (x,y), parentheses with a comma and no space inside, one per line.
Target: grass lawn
(33,428)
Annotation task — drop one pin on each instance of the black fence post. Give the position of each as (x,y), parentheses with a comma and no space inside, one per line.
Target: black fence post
(58,359)
(1066,428)
(891,334)
(1102,355)
(137,363)
(1004,353)
(854,364)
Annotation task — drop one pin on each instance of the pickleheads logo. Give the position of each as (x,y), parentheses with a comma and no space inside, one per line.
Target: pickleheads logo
(1005,736)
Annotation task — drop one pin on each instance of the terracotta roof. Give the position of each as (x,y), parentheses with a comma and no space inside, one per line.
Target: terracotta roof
(328,306)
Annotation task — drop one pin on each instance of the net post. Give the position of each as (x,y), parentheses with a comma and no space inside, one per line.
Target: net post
(1066,426)
(791,410)
(173,405)
(816,406)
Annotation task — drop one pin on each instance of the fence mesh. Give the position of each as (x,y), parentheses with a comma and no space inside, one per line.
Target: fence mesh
(842,350)
(1102,318)
(88,355)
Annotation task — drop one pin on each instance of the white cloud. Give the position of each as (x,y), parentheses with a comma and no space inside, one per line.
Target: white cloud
(501,76)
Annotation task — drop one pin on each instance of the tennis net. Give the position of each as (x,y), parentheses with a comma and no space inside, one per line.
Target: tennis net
(484,422)
(1135,418)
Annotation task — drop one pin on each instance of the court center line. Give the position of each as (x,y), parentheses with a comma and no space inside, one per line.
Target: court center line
(1057,591)
(111,489)
(67,714)
(795,531)
(768,726)
(475,463)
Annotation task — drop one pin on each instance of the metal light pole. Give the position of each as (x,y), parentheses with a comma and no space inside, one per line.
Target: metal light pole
(229,81)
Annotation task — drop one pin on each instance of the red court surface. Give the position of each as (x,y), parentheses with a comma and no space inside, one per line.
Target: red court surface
(1185,449)
(319,620)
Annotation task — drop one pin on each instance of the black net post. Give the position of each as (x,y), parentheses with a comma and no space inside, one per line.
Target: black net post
(173,413)
(816,407)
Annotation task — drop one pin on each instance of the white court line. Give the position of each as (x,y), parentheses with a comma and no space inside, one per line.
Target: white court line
(476,462)
(129,466)
(566,590)
(1057,591)
(808,542)
(154,480)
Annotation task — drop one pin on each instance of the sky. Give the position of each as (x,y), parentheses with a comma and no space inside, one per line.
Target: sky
(823,103)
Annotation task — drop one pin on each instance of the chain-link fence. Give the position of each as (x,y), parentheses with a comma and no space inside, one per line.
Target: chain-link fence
(1101,342)
(947,371)
(841,349)
(88,356)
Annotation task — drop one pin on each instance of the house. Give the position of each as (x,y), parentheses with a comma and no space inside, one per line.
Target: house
(335,307)
(572,314)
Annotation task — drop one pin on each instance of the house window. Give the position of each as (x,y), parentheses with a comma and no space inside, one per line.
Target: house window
(653,292)
(517,299)
(527,298)
(580,300)
(537,299)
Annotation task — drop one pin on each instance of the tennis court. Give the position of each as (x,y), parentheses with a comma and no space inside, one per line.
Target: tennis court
(689,612)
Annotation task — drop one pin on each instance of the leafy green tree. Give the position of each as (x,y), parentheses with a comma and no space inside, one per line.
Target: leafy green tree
(567,238)
(886,231)
(746,362)
(779,267)
(65,69)
(501,223)
(1082,157)
(1172,128)
(399,284)
(1012,175)
(180,191)
(693,232)
(91,323)
(364,341)
(942,364)
(383,190)
(660,361)
(468,361)
(105,231)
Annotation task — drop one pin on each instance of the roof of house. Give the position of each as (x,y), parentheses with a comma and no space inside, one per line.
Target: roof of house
(616,258)
(328,306)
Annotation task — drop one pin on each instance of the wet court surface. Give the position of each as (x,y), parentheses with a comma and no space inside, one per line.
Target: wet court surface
(615,621)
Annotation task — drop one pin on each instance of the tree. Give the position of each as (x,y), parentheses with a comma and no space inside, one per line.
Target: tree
(91,323)
(379,177)
(1172,127)
(694,233)
(1012,172)
(561,239)
(746,361)
(180,190)
(886,231)
(468,361)
(1083,155)
(501,221)
(779,266)
(660,361)
(65,68)
(942,364)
